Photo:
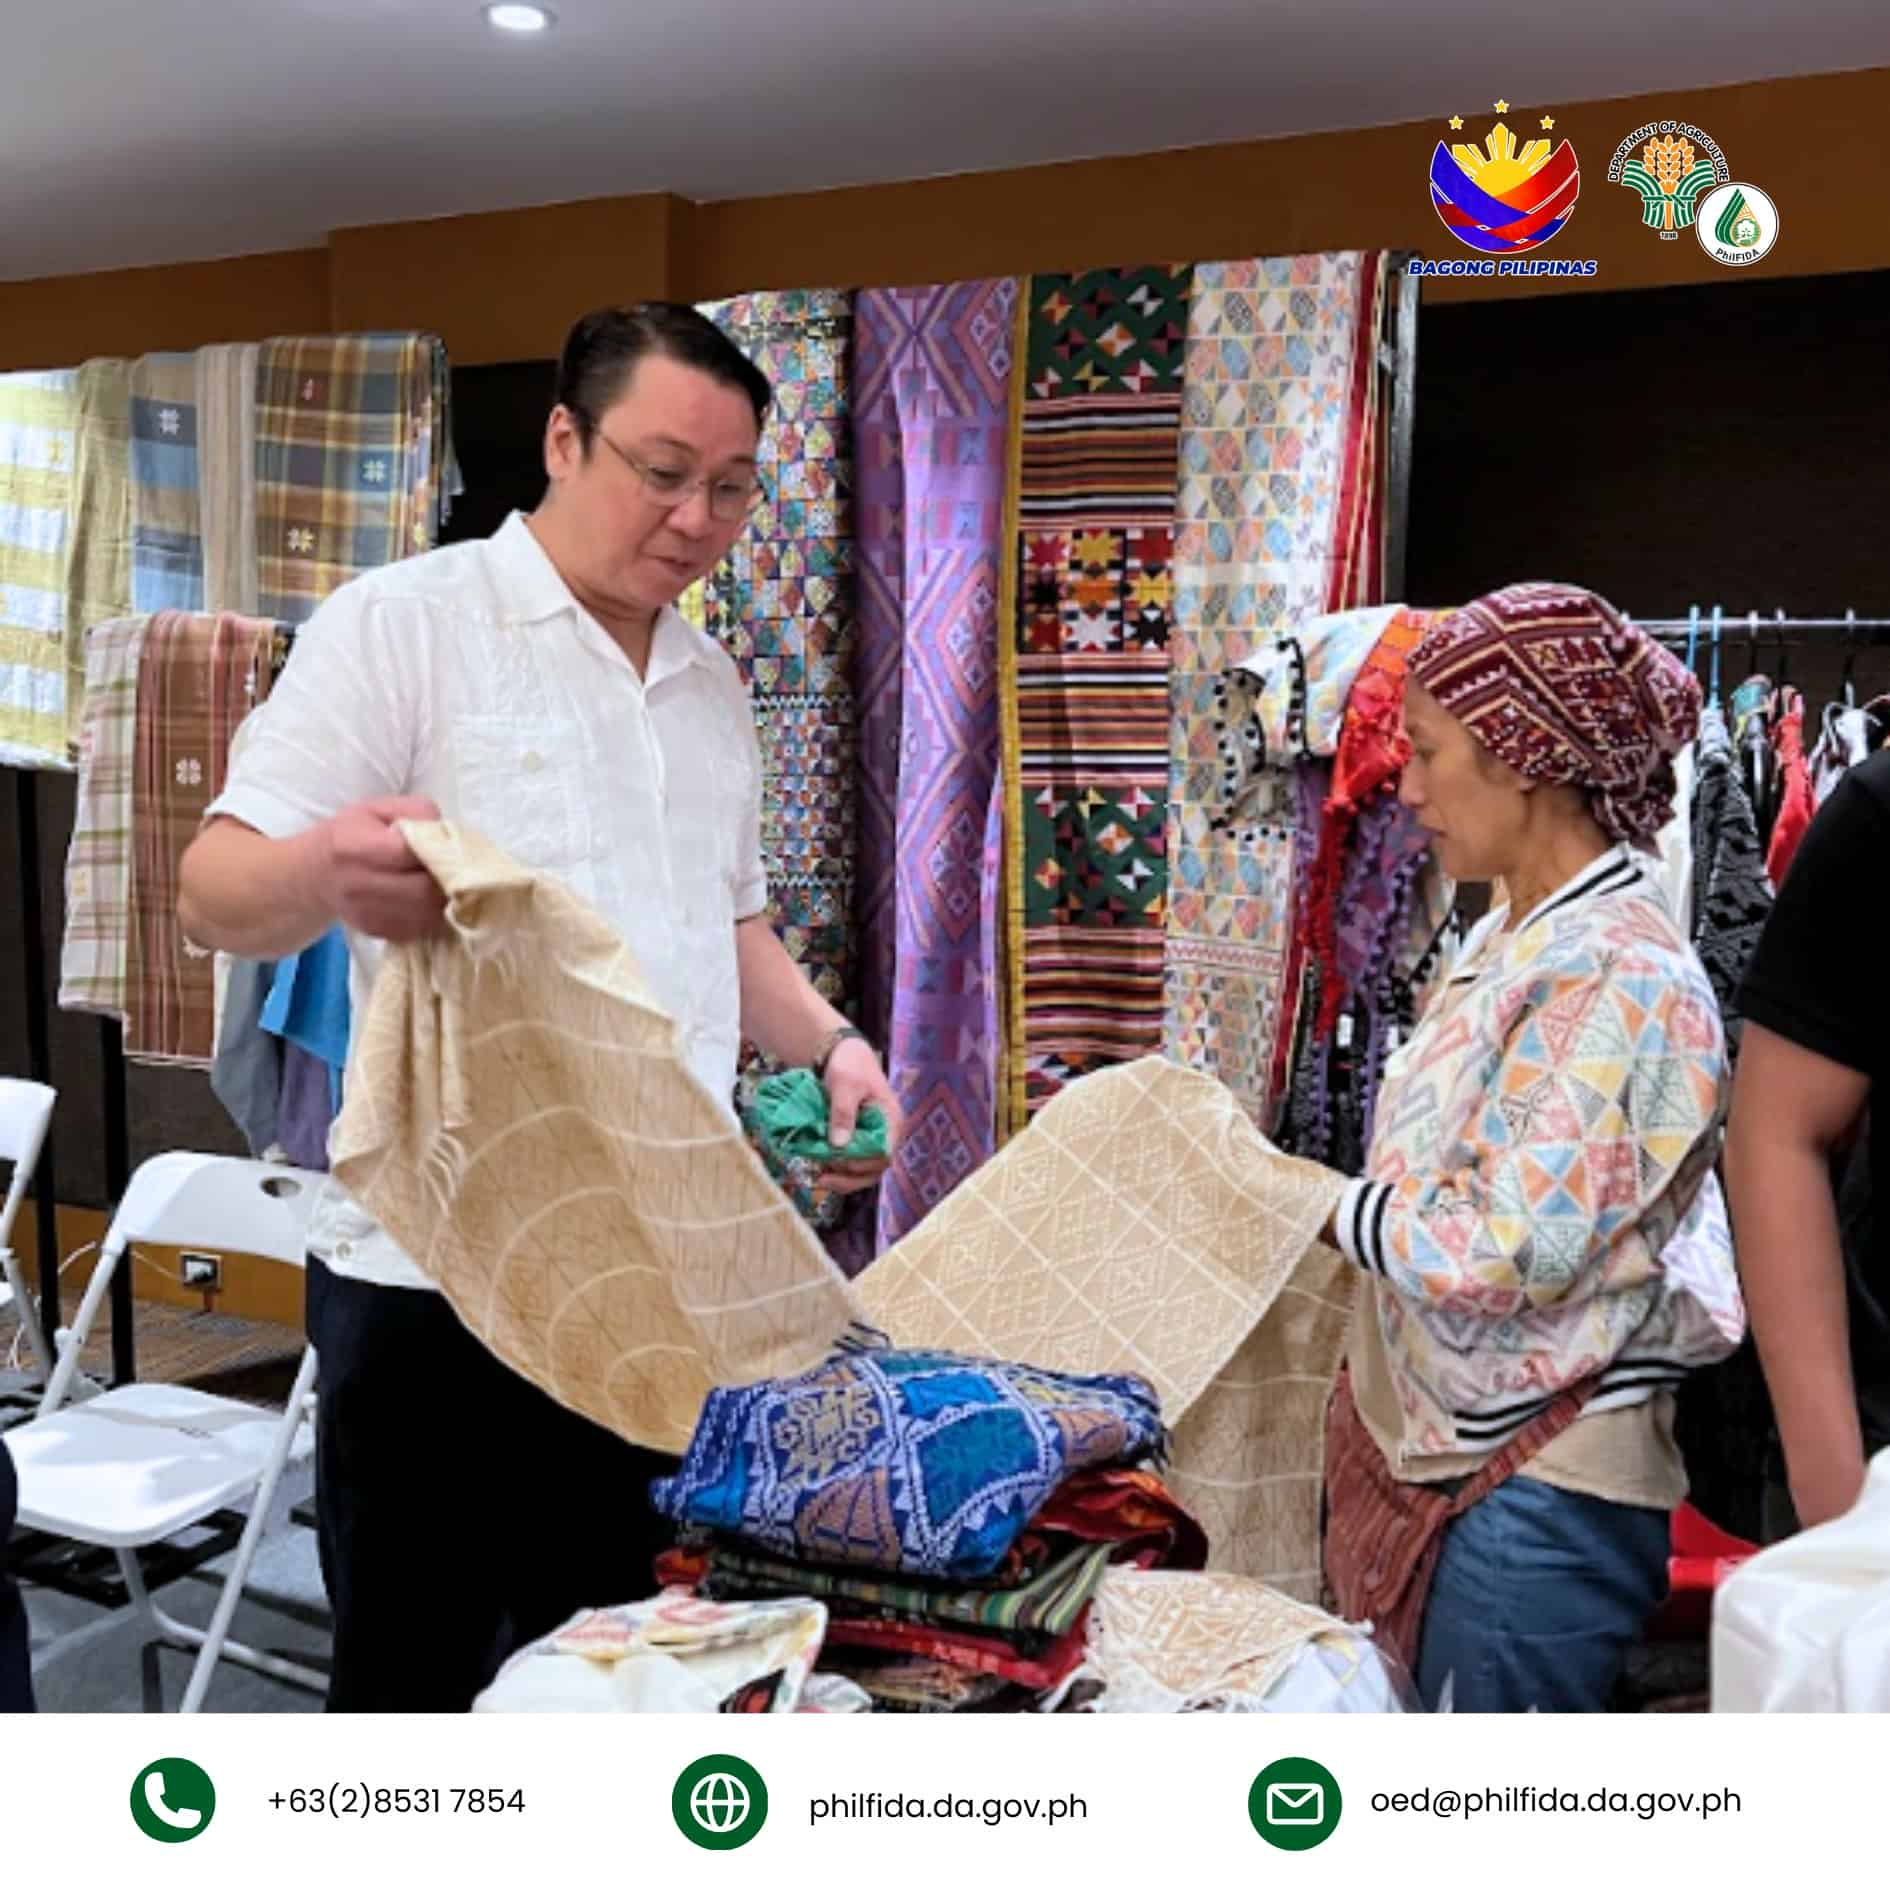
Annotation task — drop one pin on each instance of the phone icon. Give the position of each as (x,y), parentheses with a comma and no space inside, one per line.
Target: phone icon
(186,1820)
(173,1801)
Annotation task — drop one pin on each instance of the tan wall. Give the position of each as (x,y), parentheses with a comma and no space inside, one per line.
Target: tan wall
(504,286)
(60,320)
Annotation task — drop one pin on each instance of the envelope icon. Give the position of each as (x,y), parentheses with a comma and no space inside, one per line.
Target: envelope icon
(1296,1804)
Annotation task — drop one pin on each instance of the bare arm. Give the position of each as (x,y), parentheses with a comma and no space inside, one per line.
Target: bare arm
(1791,1108)
(783,1016)
(242,893)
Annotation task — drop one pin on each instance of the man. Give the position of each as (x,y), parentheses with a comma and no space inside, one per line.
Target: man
(539,687)
(1816,1045)
(16,1668)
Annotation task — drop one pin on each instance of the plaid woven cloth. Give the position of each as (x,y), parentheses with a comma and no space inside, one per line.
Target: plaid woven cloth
(98,862)
(198,676)
(166,485)
(39,416)
(352,461)
(98,524)
(226,454)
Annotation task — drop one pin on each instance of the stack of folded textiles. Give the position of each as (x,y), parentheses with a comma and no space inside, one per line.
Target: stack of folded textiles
(954,1515)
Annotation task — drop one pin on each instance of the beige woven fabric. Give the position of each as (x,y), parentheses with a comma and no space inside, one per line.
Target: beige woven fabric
(520,1121)
(1163,1642)
(1143,1224)
(519,1118)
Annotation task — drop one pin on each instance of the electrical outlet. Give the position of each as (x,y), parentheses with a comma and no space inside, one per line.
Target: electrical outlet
(201,1269)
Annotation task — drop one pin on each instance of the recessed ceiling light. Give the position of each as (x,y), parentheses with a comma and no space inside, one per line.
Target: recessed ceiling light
(509,18)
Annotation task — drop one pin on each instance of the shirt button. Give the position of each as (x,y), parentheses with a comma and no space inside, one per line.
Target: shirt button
(345,1250)
(533,761)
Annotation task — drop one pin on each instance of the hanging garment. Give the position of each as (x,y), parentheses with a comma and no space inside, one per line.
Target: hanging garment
(933,383)
(1732,895)
(1844,740)
(305,1108)
(98,536)
(1086,673)
(1280,487)
(1750,712)
(225,388)
(1673,845)
(198,677)
(39,425)
(246,1074)
(1795,806)
(94,957)
(308,1006)
(167,559)
(350,469)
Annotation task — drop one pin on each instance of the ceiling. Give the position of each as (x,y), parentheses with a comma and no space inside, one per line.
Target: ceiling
(145,131)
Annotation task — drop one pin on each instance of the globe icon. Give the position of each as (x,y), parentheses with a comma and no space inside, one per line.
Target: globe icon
(720,1802)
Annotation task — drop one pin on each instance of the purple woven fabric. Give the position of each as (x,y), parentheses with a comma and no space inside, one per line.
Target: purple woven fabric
(930,415)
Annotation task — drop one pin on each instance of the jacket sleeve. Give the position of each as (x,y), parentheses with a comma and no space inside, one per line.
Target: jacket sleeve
(1564,1183)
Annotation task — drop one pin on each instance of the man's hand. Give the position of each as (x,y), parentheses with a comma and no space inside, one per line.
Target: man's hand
(371,879)
(853,1079)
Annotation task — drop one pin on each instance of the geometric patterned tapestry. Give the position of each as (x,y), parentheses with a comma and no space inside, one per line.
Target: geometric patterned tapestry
(931,403)
(782,604)
(1087,720)
(1279,518)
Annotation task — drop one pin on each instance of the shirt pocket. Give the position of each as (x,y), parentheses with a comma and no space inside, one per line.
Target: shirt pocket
(516,786)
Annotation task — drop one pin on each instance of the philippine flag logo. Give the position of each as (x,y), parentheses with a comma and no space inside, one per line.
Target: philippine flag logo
(1504,198)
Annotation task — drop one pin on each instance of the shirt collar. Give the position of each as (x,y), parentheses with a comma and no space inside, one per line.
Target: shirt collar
(534,590)
(1615,871)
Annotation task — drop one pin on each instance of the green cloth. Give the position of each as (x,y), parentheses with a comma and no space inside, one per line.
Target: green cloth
(789,1120)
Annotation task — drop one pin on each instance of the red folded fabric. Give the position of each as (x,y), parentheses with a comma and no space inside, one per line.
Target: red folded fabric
(978,1653)
(1130,1507)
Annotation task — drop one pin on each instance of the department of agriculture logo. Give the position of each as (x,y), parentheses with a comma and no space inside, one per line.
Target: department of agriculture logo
(719,1802)
(1295,1804)
(173,1801)
(1504,197)
(1738,224)
(1671,165)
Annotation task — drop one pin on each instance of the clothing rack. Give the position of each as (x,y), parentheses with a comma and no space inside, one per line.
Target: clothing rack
(1734,628)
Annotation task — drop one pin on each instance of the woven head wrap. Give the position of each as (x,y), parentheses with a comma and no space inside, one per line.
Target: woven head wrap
(1553,681)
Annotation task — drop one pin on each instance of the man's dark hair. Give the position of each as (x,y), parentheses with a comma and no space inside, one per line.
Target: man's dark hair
(603,348)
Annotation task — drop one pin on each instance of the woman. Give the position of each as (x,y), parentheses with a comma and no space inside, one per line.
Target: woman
(1546,1250)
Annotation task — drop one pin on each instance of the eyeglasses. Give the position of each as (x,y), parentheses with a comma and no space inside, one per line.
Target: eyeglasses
(730,500)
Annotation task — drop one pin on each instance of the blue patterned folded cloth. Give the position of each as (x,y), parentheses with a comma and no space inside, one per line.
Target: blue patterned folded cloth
(917,1461)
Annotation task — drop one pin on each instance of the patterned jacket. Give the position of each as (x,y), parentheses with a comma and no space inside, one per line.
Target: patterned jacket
(1539,1200)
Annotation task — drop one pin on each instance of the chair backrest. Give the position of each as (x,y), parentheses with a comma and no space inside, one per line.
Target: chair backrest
(25,1112)
(219,1203)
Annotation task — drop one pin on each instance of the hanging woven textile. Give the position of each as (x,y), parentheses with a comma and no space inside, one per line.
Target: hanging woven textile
(931,401)
(1279,519)
(783,604)
(1086,709)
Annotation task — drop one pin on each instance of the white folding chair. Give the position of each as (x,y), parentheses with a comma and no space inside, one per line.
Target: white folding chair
(139,1463)
(25,1112)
